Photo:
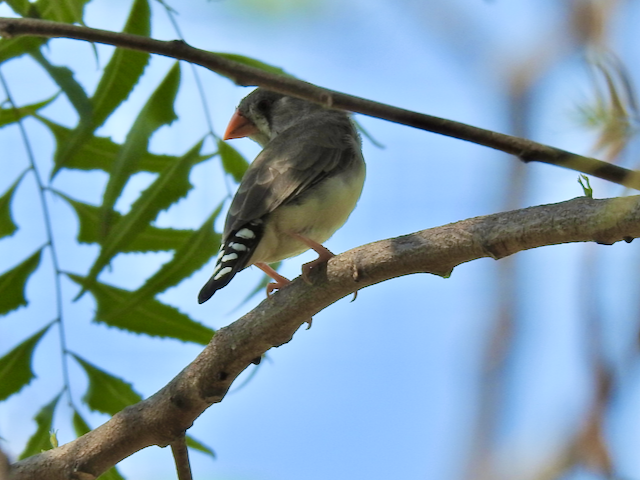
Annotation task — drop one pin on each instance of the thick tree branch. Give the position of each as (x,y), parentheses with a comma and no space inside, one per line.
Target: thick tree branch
(241,74)
(163,418)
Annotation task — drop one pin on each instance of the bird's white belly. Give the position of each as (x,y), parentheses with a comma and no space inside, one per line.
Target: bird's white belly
(317,217)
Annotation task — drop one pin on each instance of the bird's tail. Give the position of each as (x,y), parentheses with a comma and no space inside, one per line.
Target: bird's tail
(233,256)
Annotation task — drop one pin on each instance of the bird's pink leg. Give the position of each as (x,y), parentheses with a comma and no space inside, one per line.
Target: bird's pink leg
(280,281)
(324,254)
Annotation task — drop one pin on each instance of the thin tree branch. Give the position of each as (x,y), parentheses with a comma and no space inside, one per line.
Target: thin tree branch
(181,457)
(241,74)
(164,417)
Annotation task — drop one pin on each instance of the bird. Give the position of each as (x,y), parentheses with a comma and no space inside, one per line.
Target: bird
(299,190)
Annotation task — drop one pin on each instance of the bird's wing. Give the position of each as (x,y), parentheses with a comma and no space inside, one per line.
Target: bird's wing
(291,164)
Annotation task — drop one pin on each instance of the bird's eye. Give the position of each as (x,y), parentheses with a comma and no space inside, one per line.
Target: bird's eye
(262,106)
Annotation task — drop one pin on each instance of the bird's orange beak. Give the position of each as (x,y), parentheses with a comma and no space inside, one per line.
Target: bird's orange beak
(239,127)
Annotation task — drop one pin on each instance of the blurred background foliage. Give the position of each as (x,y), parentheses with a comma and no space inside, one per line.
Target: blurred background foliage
(277,8)
(113,192)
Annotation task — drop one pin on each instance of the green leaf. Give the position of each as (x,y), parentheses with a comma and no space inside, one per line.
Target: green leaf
(41,439)
(106,393)
(13,284)
(99,153)
(79,425)
(151,239)
(252,62)
(111,474)
(53,438)
(71,11)
(193,254)
(586,186)
(15,366)
(201,447)
(15,47)
(71,88)
(169,187)
(67,11)
(118,79)
(232,162)
(12,115)
(7,225)
(157,112)
(150,317)
(21,7)
(155,239)
(70,148)
(78,99)
(125,67)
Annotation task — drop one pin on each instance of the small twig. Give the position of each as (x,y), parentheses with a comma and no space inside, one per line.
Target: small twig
(181,457)
(526,150)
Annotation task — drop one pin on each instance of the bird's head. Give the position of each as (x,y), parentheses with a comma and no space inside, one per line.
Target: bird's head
(262,115)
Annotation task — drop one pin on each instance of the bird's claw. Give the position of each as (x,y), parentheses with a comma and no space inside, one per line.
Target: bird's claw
(275,286)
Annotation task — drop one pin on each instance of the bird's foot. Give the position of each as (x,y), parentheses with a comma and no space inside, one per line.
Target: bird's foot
(275,286)
(324,254)
(280,281)
(307,267)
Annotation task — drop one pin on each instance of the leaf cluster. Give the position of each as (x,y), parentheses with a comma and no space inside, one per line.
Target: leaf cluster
(81,149)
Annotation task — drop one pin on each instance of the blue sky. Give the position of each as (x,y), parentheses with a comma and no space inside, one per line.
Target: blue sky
(387,386)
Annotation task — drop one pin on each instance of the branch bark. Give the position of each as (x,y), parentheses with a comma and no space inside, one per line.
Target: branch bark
(4,466)
(163,418)
(525,150)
